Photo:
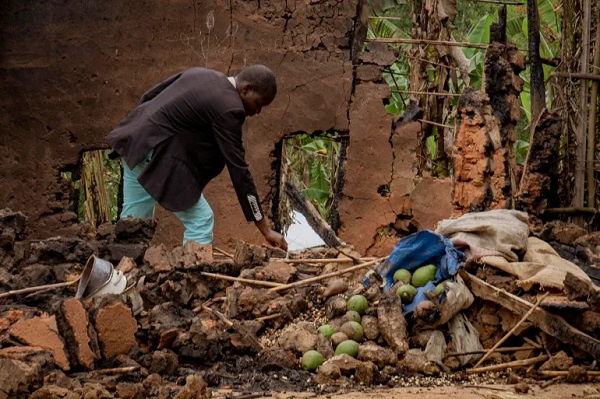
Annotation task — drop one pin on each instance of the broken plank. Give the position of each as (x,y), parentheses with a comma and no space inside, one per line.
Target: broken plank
(547,322)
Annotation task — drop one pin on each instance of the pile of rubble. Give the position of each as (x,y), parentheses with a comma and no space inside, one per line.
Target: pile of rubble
(192,320)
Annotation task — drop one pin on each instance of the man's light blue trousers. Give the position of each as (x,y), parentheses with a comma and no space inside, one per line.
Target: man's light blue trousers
(197,220)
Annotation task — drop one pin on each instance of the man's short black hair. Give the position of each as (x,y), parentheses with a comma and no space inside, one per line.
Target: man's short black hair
(260,77)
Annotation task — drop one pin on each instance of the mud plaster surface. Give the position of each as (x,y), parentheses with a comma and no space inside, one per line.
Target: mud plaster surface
(72,71)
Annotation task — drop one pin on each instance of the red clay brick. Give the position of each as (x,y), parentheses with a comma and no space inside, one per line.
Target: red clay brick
(42,332)
(116,329)
(75,333)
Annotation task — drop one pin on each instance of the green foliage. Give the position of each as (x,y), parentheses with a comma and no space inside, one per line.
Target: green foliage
(479,33)
(112,176)
(521,149)
(311,163)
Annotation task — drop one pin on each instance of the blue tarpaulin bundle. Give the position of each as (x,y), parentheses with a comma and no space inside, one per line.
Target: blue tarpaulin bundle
(420,249)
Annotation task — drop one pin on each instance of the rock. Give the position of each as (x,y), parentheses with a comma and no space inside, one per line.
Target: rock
(59,379)
(576,375)
(338,338)
(73,324)
(330,370)
(191,255)
(18,378)
(370,327)
(521,387)
(560,362)
(129,390)
(126,265)
(116,329)
(195,388)
(164,362)
(15,222)
(249,255)
(373,294)
(365,374)
(324,347)
(42,332)
(95,391)
(347,364)
(381,356)
(297,339)
(57,250)
(335,287)
(513,378)
(54,392)
(420,339)
(563,232)
(156,257)
(335,306)
(117,251)
(168,316)
(134,230)
(275,357)
(413,361)
(179,291)
(392,324)
(277,271)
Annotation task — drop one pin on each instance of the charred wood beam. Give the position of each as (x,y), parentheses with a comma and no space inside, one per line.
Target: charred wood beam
(545,321)
(573,210)
(498,29)
(538,88)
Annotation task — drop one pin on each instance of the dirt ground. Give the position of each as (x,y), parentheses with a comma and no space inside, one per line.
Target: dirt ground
(557,391)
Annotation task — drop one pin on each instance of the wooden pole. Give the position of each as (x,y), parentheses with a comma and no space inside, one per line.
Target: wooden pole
(512,365)
(499,350)
(580,151)
(39,288)
(426,41)
(219,250)
(328,275)
(241,280)
(512,330)
(590,76)
(432,93)
(591,138)
(435,123)
(325,260)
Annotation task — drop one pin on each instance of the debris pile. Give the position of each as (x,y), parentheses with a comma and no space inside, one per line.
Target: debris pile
(191,320)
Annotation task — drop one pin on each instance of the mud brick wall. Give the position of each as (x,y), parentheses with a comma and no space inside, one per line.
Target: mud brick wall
(70,71)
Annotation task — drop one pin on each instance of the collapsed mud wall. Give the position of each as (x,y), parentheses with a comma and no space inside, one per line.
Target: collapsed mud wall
(71,72)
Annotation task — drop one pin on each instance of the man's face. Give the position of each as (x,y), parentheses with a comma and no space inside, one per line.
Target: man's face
(254,101)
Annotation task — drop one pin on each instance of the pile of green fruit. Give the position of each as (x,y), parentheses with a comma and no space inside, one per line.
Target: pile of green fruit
(346,340)
(408,283)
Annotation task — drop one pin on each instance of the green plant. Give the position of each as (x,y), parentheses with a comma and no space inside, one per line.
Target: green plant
(311,163)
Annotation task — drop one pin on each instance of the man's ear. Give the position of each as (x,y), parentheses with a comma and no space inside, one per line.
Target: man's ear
(246,88)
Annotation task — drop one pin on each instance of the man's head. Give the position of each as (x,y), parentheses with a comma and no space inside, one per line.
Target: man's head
(257,87)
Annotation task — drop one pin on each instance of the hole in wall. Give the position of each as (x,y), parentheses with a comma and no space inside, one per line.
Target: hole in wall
(313,164)
(94,187)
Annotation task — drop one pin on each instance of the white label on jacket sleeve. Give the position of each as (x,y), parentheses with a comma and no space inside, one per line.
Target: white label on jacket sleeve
(255,208)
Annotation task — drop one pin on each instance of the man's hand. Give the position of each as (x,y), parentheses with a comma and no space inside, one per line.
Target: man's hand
(276,239)
(273,237)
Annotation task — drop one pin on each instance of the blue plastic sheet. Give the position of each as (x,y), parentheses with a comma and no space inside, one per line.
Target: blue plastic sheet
(420,249)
